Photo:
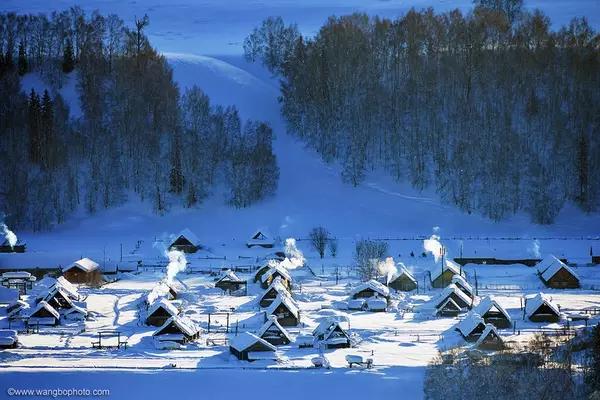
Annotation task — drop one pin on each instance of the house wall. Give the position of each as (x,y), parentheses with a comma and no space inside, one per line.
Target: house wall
(563,280)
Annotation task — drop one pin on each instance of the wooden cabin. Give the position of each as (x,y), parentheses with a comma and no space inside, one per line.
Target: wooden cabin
(541,309)
(276,288)
(43,314)
(261,239)
(489,339)
(442,276)
(276,272)
(331,334)
(263,270)
(159,312)
(556,274)
(58,298)
(285,310)
(274,333)
(458,296)
(493,313)
(185,241)
(471,327)
(402,281)
(230,283)
(84,271)
(250,347)
(463,285)
(448,308)
(178,329)
(370,289)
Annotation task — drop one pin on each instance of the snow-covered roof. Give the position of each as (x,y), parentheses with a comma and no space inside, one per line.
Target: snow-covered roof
(486,304)
(189,235)
(229,276)
(276,285)
(75,309)
(375,286)
(402,271)
(67,287)
(489,329)
(356,304)
(165,305)
(245,340)
(85,264)
(8,296)
(468,324)
(452,288)
(59,291)
(550,265)
(261,236)
(461,282)
(8,337)
(281,270)
(287,301)
(532,304)
(449,302)
(48,307)
(448,265)
(185,325)
(270,323)
(326,328)
(17,275)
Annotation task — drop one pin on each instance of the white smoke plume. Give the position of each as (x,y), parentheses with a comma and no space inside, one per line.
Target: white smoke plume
(387,268)
(433,245)
(9,235)
(158,291)
(294,258)
(534,249)
(177,264)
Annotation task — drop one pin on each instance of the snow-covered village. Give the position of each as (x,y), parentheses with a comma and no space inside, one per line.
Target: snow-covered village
(312,199)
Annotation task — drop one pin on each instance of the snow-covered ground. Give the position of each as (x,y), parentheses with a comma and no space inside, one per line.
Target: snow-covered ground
(203,41)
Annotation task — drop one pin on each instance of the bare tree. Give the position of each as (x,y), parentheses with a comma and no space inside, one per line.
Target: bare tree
(319,237)
(367,255)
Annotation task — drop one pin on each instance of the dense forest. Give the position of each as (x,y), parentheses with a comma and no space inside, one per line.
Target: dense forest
(493,109)
(137,136)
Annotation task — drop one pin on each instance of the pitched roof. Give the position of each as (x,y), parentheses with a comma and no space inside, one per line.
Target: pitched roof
(550,265)
(246,339)
(402,271)
(489,329)
(229,276)
(261,236)
(532,304)
(452,288)
(375,286)
(486,304)
(326,328)
(273,322)
(462,283)
(276,285)
(468,324)
(185,325)
(448,265)
(189,235)
(67,287)
(448,302)
(165,305)
(75,309)
(278,268)
(48,307)
(85,264)
(287,301)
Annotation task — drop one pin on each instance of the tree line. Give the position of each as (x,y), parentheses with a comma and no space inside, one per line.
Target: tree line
(137,135)
(493,109)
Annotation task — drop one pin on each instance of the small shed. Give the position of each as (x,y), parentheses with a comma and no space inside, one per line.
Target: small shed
(270,294)
(160,311)
(9,339)
(540,308)
(275,272)
(285,310)
(83,271)
(556,274)
(43,314)
(442,276)
(489,339)
(229,282)
(261,238)
(463,285)
(58,298)
(402,280)
(263,269)
(458,296)
(178,329)
(448,308)
(471,327)
(493,313)
(274,333)
(369,289)
(185,241)
(331,333)
(250,347)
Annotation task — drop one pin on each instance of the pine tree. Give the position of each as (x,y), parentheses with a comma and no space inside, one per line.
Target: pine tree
(176,179)
(68,63)
(23,65)
(47,131)
(34,128)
